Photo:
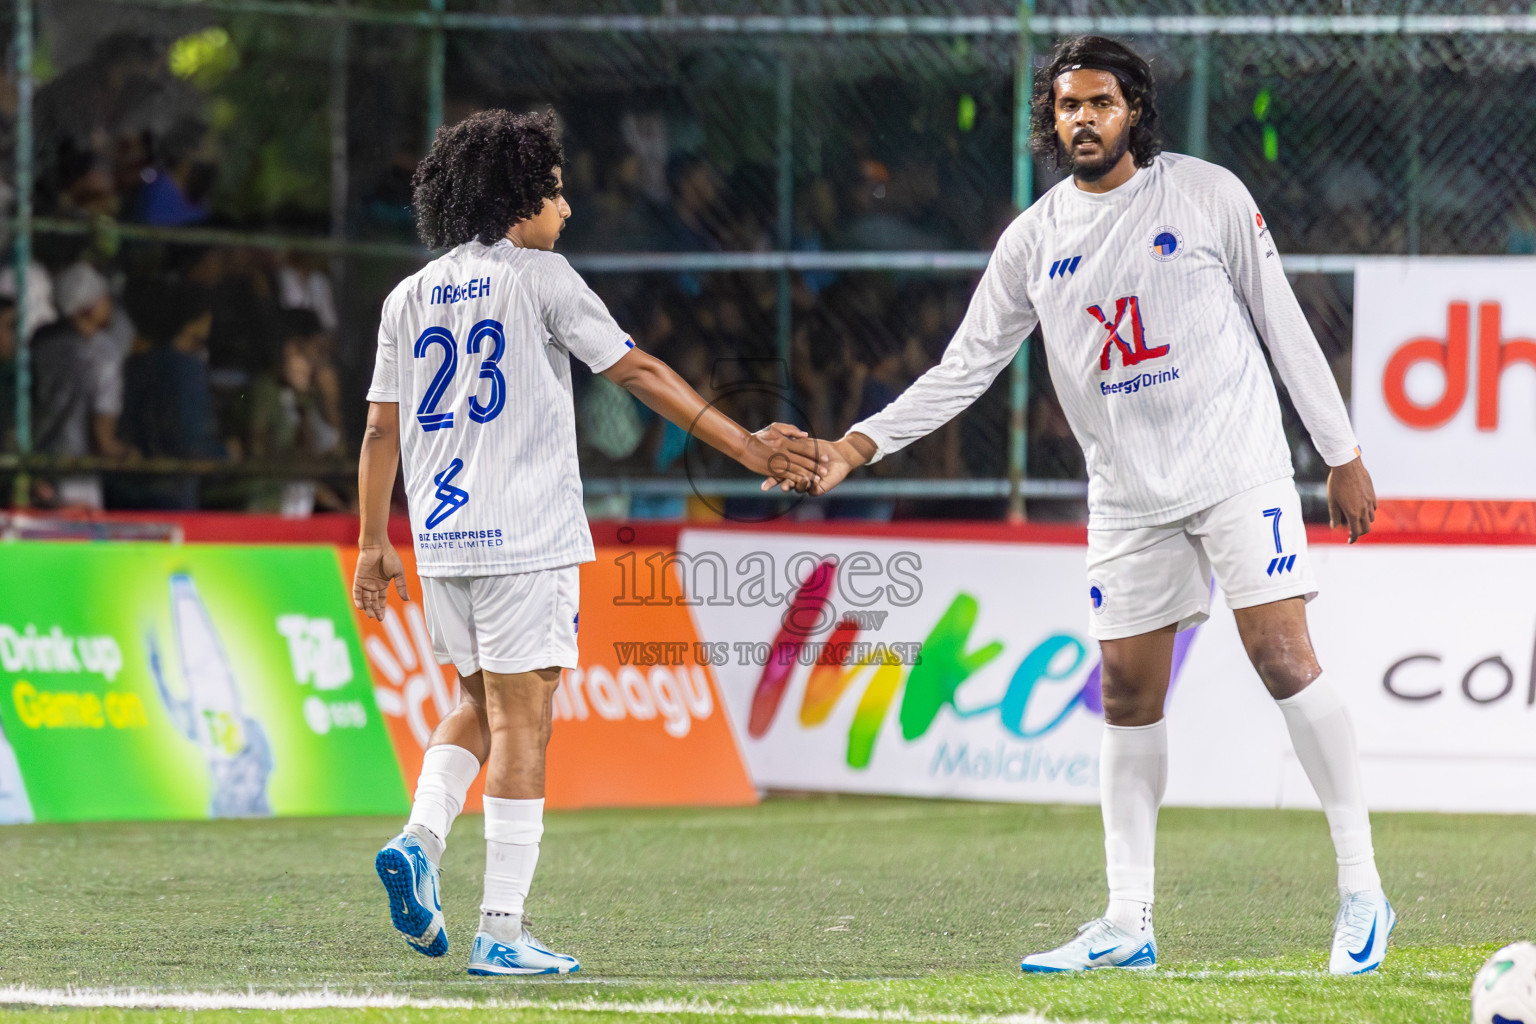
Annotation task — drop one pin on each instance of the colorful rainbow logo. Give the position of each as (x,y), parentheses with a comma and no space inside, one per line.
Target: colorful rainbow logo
(944,664)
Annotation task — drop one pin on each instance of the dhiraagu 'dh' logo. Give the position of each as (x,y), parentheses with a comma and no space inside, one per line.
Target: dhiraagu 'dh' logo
(1032,706)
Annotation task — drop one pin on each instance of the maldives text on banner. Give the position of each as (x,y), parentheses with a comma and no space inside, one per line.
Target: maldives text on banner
(1444,376)
(631,728)
(965,669)
(184,681)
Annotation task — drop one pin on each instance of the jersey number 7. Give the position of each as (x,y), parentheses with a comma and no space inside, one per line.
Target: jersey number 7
(440,337)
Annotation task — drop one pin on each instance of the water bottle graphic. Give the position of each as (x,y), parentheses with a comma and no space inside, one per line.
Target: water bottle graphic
(210,714)
(15,807)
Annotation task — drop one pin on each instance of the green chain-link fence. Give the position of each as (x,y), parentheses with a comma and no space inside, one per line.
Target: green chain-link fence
(788,201)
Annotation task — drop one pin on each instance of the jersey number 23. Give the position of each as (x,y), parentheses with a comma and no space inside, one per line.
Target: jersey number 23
(427,413)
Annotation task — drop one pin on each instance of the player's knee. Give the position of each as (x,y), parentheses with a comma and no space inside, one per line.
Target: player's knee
(1285,668)
(1131,707)
(521,697)
(1130,696)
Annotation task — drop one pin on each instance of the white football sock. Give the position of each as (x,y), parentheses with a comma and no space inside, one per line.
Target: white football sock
(513,829)
(1324,739)
(1133,774)
(447,772)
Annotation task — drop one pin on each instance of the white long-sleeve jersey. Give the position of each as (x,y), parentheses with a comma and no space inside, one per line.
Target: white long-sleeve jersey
(1153,298)
(476,349)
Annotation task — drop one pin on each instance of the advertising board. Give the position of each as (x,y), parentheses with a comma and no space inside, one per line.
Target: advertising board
(639,722)
(1444,376)
(913,667)
(1433,647)
(977,678)
(167,681)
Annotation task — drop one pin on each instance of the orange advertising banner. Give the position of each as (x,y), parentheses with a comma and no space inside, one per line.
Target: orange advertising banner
(625,735)
(1470,516)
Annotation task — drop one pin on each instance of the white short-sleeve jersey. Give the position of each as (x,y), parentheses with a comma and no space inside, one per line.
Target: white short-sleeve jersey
(476,349)
(1153,298)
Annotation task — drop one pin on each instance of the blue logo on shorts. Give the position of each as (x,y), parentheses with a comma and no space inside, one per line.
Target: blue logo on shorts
(1096,595)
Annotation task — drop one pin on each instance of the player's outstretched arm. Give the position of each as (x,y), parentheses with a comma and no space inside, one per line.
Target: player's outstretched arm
(786,454)
(377,563)
(1351,499)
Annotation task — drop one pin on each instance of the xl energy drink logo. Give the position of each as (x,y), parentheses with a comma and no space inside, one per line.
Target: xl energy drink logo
(1045,688)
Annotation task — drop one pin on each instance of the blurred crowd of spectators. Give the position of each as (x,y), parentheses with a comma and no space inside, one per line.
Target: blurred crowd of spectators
(143,352)
(233,355)
(223,355)
(857,338)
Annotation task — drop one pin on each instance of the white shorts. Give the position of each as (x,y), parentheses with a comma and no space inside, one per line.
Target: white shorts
(1149,577)
(510,623)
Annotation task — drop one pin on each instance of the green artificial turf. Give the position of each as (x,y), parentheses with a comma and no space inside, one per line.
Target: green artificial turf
(799,906)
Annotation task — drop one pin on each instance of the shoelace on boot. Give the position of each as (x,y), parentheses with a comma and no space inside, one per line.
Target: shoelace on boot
(1354,921)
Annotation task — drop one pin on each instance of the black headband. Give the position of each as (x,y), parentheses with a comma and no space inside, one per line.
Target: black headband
(1120,76)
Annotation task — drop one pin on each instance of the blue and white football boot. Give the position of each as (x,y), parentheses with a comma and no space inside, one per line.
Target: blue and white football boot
(488,956)
(415,905)
(1360,933)
(1099,944)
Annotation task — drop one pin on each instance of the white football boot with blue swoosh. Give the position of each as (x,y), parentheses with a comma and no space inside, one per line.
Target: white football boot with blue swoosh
(1360,933)
(415,903)
(1099,944)
(488,956)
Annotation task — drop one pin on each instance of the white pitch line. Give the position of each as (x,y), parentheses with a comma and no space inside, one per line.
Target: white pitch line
(132,999)
(1246,973)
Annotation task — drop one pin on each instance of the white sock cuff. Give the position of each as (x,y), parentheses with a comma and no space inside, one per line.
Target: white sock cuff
(1353,845)
(1319,699)
(1138,739)
(452,764)
(447,772)
(1130,883)
(519,822)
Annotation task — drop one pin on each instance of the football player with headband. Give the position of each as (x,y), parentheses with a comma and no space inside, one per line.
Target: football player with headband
(1157,285)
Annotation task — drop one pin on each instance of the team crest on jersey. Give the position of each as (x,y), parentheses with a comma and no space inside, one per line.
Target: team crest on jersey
(1166,244)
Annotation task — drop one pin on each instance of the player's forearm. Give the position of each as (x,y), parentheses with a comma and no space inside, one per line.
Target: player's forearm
(666,393)
(857,448)
(376,476)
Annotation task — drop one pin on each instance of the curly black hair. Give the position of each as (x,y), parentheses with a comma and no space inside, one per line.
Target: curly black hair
(485,174)
(1099,54)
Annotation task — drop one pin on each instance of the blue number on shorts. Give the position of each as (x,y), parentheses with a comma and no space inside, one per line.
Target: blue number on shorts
(488,369)
(1274,513)
(426,413)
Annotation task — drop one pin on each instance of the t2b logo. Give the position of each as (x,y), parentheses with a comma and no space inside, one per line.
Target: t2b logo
(1453,356)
